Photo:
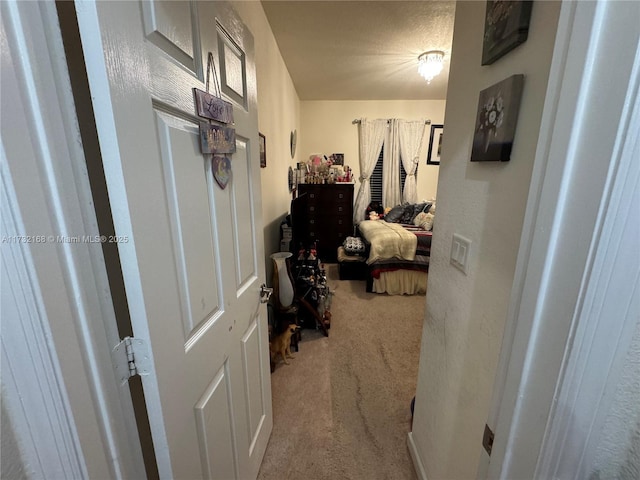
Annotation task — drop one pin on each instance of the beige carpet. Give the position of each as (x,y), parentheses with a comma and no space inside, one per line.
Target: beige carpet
(342,407)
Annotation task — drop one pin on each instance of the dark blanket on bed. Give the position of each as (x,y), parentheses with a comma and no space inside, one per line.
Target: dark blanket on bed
(424,239)
(421,262)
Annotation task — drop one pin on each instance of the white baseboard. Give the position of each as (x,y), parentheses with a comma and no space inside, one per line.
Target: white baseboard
(415,457)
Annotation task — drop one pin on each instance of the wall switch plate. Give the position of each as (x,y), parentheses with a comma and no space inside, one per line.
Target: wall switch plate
(460,248)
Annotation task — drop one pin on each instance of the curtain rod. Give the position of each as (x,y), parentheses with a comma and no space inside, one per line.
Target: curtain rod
(357,121)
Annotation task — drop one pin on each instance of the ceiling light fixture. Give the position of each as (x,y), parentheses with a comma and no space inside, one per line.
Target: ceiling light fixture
(430,64)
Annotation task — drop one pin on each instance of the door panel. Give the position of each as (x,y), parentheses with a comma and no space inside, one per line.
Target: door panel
(194,265)
(173,28)
(188,203)
(233,71)
(215,429)
(256,408)
(242,215)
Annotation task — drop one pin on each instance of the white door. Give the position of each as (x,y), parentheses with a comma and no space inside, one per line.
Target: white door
(192,253)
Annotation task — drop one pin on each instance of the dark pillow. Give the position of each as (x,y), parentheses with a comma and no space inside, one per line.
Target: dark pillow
(395,214)
(407,214)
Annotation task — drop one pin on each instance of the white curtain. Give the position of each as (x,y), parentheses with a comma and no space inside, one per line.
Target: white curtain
(411,135)
(372,133)
(391,192)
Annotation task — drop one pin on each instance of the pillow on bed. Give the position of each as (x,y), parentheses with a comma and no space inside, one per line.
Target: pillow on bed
(353,246)
(408,214)
(419,208)
(424,220)
(428,222)
(395,214)
(420,218)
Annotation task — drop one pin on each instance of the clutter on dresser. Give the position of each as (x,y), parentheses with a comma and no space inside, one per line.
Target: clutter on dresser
(321,169)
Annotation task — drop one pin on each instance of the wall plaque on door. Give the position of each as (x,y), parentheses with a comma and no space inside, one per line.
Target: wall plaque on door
(212,107)
(217,139)
(221,167)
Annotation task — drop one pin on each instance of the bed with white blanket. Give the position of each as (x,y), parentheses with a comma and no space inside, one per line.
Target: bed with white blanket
(397,256)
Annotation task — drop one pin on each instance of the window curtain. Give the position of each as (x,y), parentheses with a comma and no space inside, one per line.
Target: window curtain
(371,133)
(391,192)
(411,135)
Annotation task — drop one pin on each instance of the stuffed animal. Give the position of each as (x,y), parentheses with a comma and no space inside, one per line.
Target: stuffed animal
(374,216)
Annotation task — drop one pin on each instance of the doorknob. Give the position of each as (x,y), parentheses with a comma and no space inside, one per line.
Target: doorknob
(265,293)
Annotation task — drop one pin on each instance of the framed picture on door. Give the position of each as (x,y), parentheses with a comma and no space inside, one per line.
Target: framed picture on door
(435,145)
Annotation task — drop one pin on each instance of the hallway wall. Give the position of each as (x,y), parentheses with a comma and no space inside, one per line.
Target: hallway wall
(278,116)
(484,202)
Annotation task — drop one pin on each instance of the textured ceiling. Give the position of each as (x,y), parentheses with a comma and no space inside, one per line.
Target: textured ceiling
(362,50)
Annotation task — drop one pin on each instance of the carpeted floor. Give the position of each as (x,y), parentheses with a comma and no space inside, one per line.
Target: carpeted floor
(341,408)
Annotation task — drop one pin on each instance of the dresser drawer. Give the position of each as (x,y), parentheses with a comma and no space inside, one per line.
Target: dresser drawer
(323,215)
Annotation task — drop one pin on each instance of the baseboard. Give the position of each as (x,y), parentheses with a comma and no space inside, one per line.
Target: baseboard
(415,458)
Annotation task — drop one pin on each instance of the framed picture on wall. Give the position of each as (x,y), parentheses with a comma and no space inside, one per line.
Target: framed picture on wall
(263,150)
(496,120)
(435,145)
(506,26)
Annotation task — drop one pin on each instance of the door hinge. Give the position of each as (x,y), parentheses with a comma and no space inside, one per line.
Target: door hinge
(487,439)
(131,357)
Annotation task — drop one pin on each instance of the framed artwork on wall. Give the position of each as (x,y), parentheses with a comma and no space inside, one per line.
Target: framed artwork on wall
(435,145)
(506,26)
(263,150)
(496,120)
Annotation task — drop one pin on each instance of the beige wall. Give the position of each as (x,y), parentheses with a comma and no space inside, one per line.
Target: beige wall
(326,128)
(484,202)
(278,115)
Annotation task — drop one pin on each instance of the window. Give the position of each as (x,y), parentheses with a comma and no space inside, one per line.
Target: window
(375,182)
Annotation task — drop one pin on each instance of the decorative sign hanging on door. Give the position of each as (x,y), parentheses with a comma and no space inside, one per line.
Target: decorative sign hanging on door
(216,139)
(221,168)
(212,107)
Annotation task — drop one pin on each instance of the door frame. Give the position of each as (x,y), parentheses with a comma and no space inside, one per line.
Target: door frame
(85,423)
(588,116)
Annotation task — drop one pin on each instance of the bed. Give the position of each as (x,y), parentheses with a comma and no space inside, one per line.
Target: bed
(398,253)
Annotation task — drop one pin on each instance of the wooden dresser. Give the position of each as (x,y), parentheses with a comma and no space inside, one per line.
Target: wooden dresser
(322,214)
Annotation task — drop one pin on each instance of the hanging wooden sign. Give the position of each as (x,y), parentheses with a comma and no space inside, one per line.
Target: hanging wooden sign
(210,106)
(221,167)
(217,139)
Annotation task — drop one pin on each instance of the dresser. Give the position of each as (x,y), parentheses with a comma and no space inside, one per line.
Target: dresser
(322,214)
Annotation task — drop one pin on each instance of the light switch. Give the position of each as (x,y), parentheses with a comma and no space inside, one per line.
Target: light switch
(460,248)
